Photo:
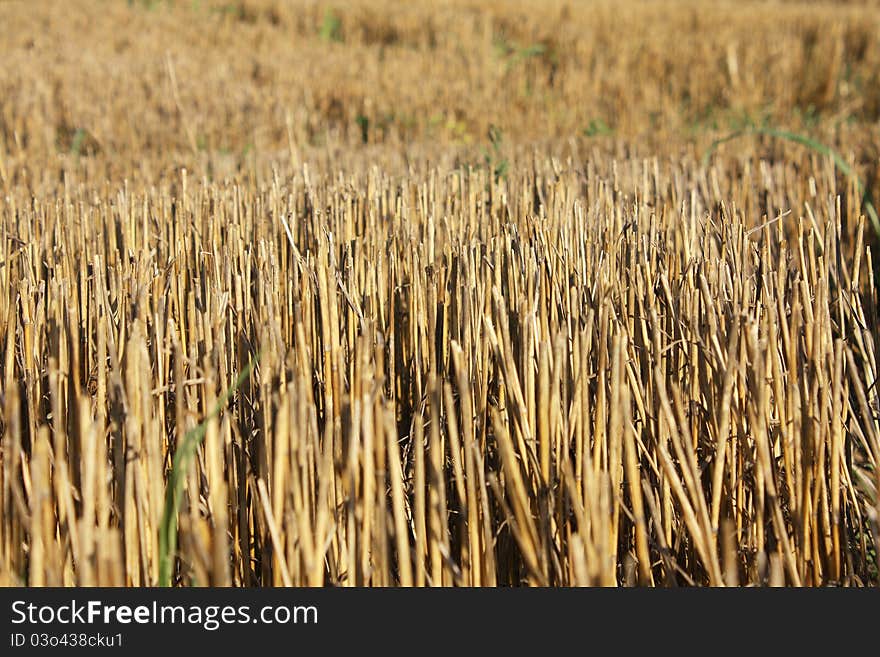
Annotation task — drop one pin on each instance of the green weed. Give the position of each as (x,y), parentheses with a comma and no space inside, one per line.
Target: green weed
(182,458)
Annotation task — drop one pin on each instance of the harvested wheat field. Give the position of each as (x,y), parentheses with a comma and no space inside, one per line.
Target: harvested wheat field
(465,293)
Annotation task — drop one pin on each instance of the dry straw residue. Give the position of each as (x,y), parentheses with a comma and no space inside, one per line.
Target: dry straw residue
(583,367)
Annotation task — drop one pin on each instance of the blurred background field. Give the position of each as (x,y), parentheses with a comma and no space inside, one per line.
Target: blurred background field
(138,88)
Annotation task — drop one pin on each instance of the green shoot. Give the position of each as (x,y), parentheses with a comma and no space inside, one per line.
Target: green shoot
(174,490)
(818,147)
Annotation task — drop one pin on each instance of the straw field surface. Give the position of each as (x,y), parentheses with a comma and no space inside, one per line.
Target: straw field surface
(464,293)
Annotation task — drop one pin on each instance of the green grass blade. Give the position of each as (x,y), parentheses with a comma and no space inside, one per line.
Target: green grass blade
(816,146)
(173,491)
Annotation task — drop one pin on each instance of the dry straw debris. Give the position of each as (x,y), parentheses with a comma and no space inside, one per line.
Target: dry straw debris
(265,319)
